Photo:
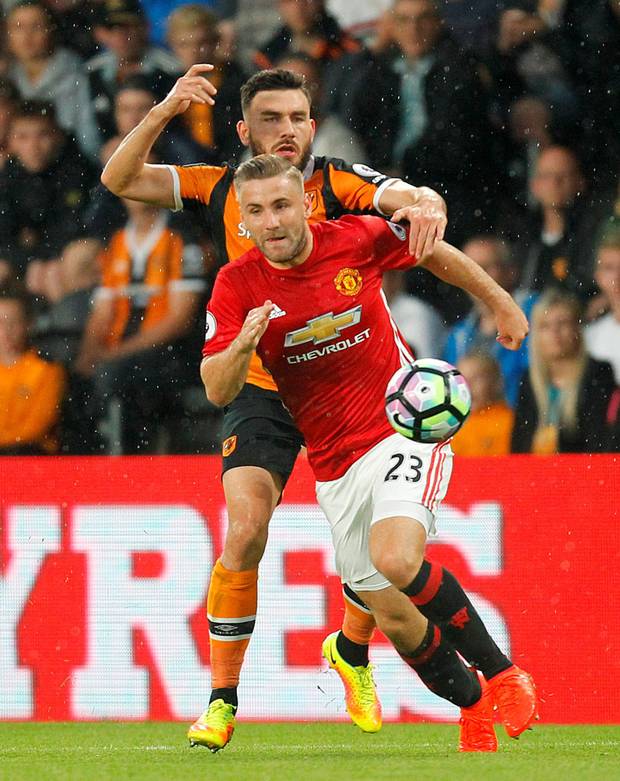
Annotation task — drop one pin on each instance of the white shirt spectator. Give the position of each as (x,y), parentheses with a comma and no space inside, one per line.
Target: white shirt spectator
(65,84)
(420,324)
(603,341)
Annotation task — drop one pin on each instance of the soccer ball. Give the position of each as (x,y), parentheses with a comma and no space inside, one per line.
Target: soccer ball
(427,401)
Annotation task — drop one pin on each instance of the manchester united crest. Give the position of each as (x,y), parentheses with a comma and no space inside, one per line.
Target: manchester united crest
(348,281)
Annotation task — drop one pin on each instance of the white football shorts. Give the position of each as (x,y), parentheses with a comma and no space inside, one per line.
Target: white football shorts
(397,477)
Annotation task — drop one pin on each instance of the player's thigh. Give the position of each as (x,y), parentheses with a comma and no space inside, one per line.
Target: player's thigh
(410,480)
(258,431)
(347,505)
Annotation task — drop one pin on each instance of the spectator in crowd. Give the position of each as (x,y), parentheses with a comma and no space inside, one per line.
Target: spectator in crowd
(151,285)
(477,331)
(565,400)
(244,25)
(123,31)
(603,336)
(421,106)
(529,132)
(193,37)
(418,322)
(42,71)
(332,137)
(361,20)
(557,237)
(488,428)
(9,98)
(75,22)
(308,29)
(58,330)
(523,60)
(43,188)
(31,389)
(588,35)
(158,13)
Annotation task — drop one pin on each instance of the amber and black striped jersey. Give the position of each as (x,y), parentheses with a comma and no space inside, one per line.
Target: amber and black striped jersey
(139,276)
(335,188)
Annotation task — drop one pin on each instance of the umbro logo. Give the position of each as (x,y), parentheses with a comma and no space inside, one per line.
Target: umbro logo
(276,312)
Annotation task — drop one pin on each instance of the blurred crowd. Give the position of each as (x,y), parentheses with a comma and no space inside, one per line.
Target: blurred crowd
(510,110)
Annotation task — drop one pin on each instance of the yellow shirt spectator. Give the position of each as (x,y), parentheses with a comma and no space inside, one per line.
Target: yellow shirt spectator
(486,432)
(31,392)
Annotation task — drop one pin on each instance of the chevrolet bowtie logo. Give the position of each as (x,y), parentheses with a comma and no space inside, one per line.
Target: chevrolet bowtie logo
(324,328)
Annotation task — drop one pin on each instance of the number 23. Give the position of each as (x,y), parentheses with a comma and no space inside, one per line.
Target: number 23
(413,469)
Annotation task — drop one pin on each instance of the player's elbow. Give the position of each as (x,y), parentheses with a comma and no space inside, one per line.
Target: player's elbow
(112,182)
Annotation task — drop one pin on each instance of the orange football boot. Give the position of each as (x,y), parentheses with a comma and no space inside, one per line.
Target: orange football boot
(514,695)
(477,731)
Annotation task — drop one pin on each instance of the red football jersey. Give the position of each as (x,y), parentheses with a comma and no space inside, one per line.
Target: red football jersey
(331,344)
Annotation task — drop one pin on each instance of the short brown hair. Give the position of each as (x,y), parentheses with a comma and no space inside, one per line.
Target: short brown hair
(191,16)
(270,80)
(266,167)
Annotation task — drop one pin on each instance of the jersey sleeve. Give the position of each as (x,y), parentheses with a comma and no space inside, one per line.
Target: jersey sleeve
(357,187)
(224,318)
(194,183)
(389,242)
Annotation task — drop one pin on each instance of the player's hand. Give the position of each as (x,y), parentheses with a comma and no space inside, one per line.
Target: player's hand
(254,327)
(193,87)
(427,221)
(512,326)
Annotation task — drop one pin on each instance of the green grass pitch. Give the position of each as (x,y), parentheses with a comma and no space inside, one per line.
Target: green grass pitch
(301,752)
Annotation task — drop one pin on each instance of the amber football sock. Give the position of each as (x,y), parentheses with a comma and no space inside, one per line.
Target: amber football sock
(231,610)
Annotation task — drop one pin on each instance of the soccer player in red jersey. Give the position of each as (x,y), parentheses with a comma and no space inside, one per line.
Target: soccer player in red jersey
(317,317)
(260,441)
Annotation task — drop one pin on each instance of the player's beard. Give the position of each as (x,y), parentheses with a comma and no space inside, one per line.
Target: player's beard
(295,252)
(258,149)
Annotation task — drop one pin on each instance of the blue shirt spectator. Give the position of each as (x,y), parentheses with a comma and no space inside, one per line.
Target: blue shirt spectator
(478,330)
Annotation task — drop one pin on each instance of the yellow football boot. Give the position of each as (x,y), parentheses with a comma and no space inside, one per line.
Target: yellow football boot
(215,727)
(361,699)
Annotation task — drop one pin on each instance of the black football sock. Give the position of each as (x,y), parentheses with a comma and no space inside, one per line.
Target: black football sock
(353,653)
(439,596)
(228,695)
(442,670)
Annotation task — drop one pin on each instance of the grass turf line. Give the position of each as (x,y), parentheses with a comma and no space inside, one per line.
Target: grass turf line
(303,752)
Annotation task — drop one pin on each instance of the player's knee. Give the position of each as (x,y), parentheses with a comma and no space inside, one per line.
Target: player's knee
(246,540)
(399,566)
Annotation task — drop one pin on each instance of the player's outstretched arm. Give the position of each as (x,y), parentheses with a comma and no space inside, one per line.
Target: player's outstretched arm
(127,174)
(424,210)
(224,373)
(453,266)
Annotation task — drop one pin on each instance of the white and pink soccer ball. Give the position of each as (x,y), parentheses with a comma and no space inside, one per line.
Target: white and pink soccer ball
(427,401)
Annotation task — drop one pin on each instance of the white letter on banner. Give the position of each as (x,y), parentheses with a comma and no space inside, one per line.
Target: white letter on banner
(477,535)
(269,688)
(33,532)
(111,685)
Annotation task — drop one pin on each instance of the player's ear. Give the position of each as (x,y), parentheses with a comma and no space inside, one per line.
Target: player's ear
(243,132)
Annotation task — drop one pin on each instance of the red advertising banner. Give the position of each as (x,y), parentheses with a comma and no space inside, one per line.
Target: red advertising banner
(105,563)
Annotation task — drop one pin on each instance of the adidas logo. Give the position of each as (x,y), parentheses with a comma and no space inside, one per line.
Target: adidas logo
(276,312)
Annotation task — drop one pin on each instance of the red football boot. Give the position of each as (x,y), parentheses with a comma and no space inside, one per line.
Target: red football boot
(477,731)
(514,695)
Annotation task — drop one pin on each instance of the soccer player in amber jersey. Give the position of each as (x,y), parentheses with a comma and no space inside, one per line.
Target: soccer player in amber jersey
(316,314)
(260,440)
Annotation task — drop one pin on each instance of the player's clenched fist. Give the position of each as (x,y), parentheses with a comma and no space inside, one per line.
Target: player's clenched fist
(254,327)
(193,87)
(512,326)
